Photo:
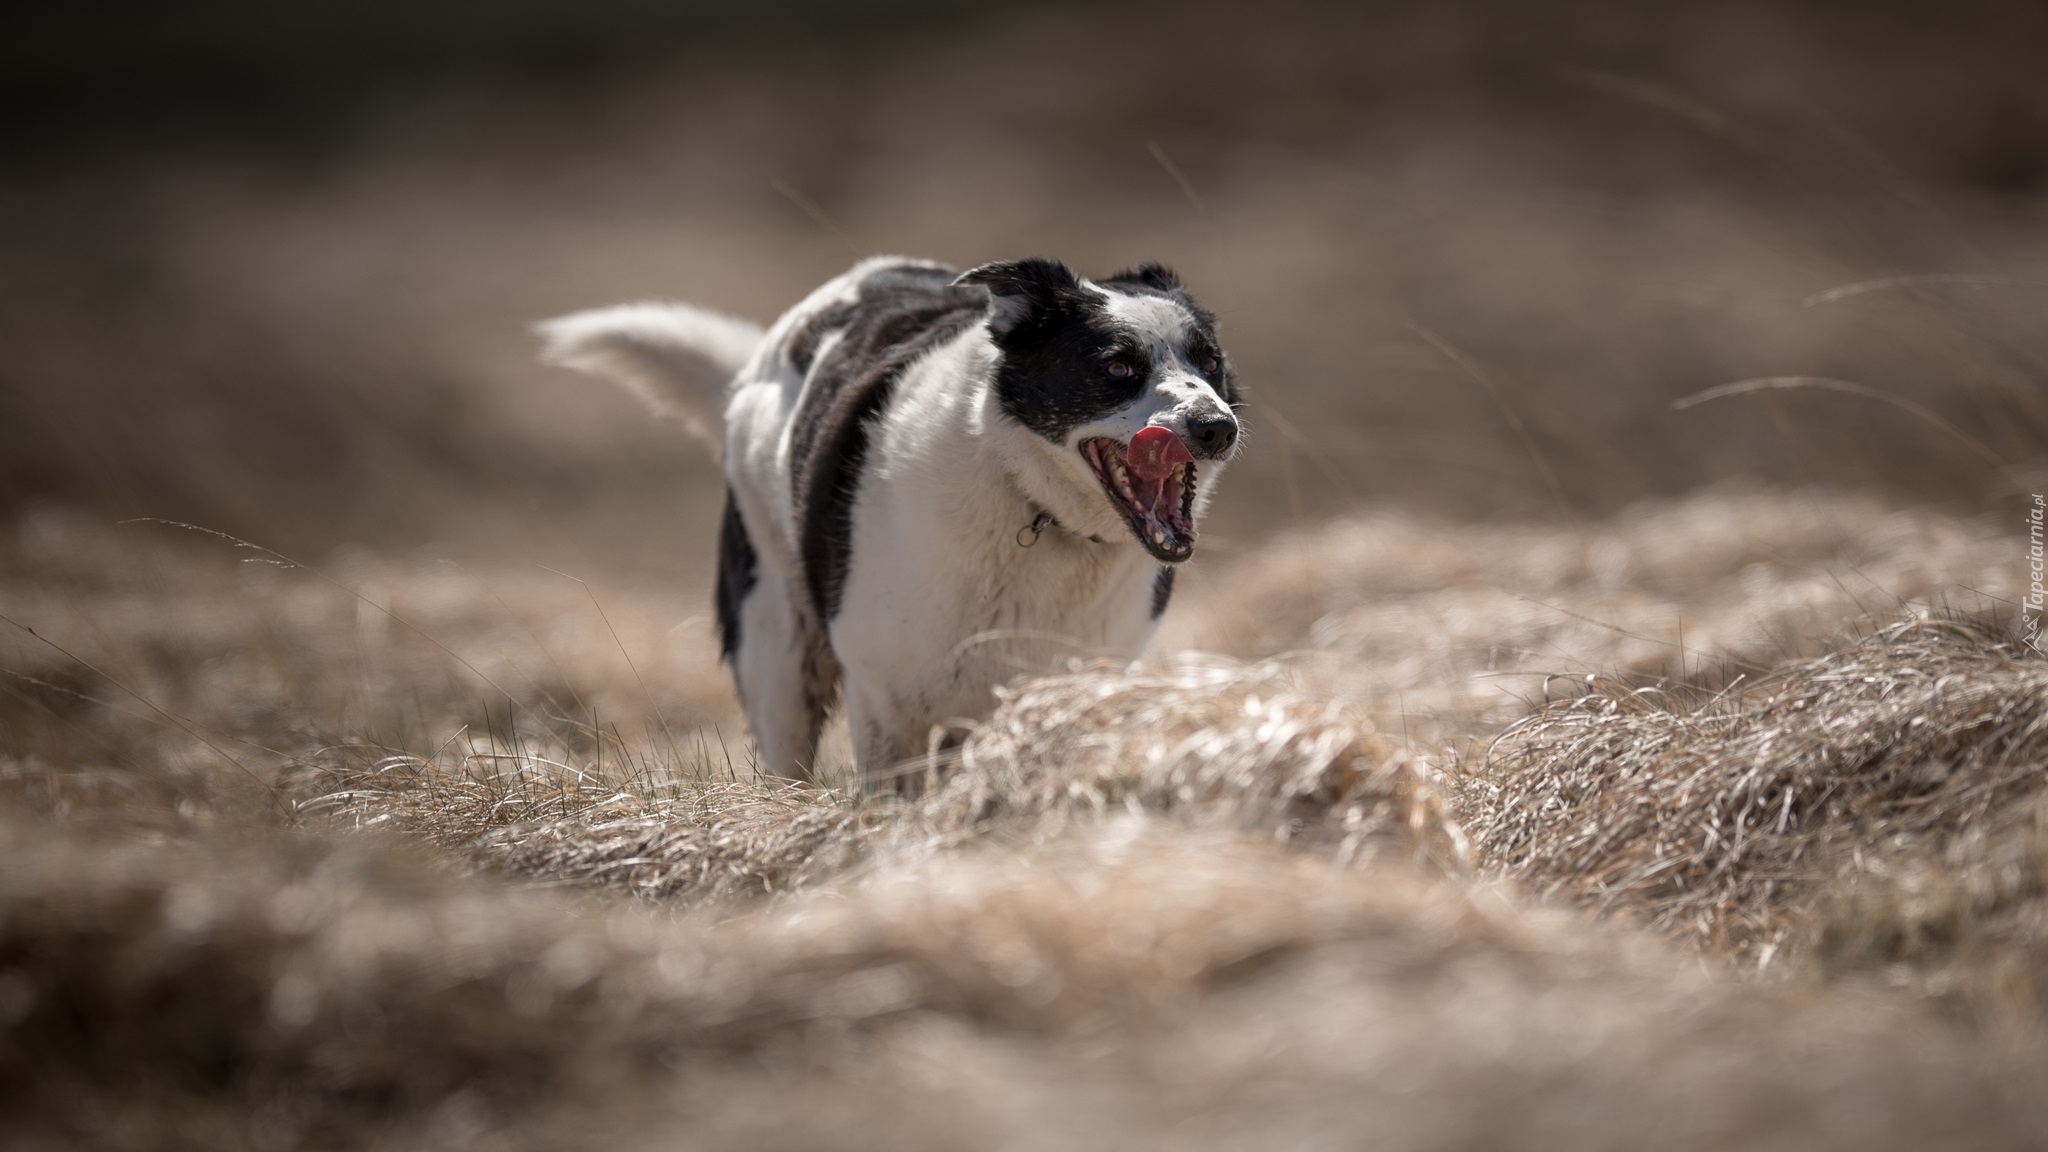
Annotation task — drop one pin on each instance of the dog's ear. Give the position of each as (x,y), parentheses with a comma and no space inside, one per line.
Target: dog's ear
(1021,290)
(1157,277)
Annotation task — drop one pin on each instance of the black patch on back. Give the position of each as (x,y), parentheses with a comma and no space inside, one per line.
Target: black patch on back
(736,568)
(902,312)
(803,343)
(1054,375)
(1162,590)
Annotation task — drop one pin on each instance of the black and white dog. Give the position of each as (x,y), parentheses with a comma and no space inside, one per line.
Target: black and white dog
(935,480)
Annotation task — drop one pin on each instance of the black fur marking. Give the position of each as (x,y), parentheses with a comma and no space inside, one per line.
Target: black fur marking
(1157,277)
(821,688)
(1162,591)
(903,312)
(1058,340)
(736,569)
(803,343)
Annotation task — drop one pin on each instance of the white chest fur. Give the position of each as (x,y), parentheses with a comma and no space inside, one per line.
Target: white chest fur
(943,602)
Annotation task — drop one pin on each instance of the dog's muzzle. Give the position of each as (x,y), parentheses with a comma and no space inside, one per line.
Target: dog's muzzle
(1152,482)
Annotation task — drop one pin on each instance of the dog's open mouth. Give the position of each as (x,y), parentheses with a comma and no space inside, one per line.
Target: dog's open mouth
(1154,486)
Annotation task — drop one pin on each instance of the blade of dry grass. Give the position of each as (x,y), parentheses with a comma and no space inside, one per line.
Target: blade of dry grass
(1850,388)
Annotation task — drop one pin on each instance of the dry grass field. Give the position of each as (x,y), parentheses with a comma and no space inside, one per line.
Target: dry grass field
(1446,851)
(1526,762)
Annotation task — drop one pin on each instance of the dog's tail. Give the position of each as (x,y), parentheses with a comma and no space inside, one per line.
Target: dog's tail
(677,358)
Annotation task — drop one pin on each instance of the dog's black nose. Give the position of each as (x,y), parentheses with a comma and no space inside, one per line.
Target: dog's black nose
(1212,436)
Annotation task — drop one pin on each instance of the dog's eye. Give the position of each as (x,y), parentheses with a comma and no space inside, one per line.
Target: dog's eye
(1120,369)
(1211,365)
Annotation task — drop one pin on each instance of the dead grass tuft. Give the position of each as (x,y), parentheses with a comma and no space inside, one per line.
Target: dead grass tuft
(1209,742)
(1722,819)
(1959,918)
(649,831)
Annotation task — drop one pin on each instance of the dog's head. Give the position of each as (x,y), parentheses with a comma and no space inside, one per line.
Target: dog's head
(1120,407)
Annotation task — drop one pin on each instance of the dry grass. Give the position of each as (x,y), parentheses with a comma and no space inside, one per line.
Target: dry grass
(1959,918)
(1213,743)
(1444,629)
(1202,904)
(1209,745)
(258,990)
(688,837)
(384,645)
(1723,820)
(310,329)
(1136,987)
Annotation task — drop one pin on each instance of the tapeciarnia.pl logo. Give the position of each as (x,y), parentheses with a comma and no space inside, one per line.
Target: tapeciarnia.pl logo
(2030,608)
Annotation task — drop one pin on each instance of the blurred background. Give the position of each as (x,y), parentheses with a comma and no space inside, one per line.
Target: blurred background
(270,268)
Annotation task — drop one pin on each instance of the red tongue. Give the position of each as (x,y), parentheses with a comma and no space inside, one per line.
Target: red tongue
(1154,452)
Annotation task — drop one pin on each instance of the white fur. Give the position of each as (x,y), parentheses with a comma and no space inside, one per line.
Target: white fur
(942,602)
(675,357)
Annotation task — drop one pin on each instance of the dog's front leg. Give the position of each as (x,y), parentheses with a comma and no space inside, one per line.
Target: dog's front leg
(889,742)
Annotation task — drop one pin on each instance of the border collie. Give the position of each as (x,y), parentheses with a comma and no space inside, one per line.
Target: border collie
(935,481)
